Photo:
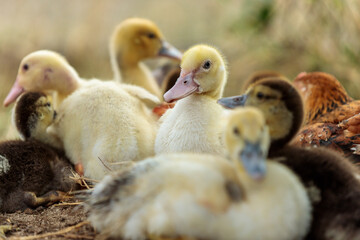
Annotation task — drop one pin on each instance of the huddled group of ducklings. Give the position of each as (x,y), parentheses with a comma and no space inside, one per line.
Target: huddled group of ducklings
(200,171)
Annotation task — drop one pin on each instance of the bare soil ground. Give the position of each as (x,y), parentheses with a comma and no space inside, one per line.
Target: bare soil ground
(66,220)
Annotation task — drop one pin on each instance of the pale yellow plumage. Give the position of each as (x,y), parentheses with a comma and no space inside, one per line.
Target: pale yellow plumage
(96,119)
(194,124)
(201,196)
(134,40)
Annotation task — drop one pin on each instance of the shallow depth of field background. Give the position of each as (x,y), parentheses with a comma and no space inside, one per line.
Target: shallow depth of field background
(286,36)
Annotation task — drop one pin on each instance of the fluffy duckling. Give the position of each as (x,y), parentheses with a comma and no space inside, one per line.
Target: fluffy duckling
(84,126)
(331,180)
(105,125)
(201,196)
(46,71)
(260,75)
(31,172)
(193,124)
(133,41)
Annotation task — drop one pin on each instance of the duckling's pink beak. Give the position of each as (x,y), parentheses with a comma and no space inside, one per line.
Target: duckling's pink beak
(184,86)
(14,93)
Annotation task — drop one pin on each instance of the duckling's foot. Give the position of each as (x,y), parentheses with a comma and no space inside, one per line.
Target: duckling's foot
(162,108)
(3,230)
(49,198)
(79,168)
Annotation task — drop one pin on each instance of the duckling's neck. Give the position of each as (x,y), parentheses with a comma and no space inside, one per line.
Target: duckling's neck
(217,88)
(215,94)
(130,70)
(59,93)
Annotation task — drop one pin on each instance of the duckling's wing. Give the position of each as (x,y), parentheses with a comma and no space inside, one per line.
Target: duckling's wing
(149,99)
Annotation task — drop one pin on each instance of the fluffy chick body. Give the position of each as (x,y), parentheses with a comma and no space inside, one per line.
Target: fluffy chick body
(331,180)
(194,124)
(201,196)
(31,168)
(101,125)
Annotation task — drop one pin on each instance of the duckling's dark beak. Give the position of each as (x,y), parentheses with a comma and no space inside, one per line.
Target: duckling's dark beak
(233,102)
(253,160)
(54,116)
(167,50)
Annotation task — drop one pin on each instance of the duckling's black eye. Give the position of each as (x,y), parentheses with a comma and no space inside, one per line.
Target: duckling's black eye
(260,95)
(236,131)
(25,67)
(151,35)
(206,65)
(47,104)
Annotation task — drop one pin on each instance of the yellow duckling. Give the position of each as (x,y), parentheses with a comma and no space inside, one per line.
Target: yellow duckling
(46,71)
(201,196)
(104,125)
(193,124)
(89,111)
(133,41)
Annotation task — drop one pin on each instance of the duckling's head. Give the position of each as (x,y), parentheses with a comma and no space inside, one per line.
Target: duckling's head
(203,71)
(280,103)
(43,71)
(247,139)
(322,93)
(33,114)
(136,39)
(260,75)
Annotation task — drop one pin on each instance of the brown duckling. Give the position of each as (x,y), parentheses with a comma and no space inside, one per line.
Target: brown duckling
(31,172)
(260,75)
(331,180)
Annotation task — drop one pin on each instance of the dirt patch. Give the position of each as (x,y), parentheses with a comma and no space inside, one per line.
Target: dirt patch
(68,219)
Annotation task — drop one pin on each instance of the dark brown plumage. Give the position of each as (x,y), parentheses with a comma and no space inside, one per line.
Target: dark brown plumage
(31,172)
(332,181)
(26,113)
(31,168)
(333,187)
(292,100)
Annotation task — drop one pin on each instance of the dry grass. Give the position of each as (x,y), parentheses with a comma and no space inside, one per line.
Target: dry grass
(287,36)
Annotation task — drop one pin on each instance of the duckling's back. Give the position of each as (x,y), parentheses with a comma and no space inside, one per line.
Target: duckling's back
(104,124)
(199,196)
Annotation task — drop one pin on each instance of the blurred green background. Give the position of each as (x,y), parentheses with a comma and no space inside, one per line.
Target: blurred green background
(289,36)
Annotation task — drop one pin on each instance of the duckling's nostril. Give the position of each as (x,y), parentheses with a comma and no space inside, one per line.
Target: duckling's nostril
(185,82)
